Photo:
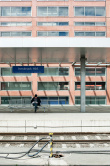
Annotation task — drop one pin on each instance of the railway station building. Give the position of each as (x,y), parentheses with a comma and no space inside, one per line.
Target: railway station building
(70,38)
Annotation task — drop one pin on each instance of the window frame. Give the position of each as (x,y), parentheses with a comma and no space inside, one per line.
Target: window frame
(11,7)
(54,82)
(86,7)
(55,75)
(16,82)
(57,11)
(90,89)
(52,23)
(52,31)
(90,97)
(88,32)
(14,73)
(95,72)
(90,22)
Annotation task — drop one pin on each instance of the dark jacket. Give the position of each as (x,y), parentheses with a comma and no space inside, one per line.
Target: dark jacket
(38,100)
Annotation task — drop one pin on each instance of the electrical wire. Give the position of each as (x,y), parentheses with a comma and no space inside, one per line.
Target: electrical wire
(26,153)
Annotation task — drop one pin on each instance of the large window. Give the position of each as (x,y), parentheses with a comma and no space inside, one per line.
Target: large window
(89,11)
(52,33)
(15,11)
(89,23)
(89,33)
(15,23)
(55,100)
(16,86)
(14,33)
(5,100)
(91,86)
(53,85)
(52,11)
(96,71)
(55,71)
(52,23)
(92,100)
(8,72)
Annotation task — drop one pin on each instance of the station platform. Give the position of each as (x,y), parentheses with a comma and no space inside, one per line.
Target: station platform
(56,119)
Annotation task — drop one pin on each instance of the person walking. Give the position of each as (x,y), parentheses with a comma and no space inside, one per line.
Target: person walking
(36,102)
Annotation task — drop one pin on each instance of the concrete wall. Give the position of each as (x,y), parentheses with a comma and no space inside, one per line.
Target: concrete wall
(55,126)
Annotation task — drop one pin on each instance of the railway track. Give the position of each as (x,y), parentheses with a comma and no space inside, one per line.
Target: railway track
(58,138)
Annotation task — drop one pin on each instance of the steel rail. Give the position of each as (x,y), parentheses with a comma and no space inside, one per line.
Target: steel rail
(56,133)
(54,141)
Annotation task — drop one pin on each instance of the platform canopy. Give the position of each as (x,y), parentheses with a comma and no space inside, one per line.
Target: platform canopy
(54,50)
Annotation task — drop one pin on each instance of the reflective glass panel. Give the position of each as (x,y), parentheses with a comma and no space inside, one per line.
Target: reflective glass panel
(100,23)
(63,71)
(8,72)
(89,23)
(5,11)
(42,11)
(100,71)
(100,33)
(77,71)
(52,11)
(63,23)
(100,11)
(79,23)
(63,11)
(79,11)
(90,71)
(53,33)
(90,85)
(100,85)
(89,11)
(5,33)
(89,33)
(79,33)
(63,33)
(42,33)
(15,86)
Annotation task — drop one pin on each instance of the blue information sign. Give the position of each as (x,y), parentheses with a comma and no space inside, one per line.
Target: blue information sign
(28,69)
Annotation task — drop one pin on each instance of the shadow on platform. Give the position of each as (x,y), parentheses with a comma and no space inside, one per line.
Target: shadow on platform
(57,109)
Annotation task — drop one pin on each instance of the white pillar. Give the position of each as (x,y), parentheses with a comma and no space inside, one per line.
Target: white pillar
(83,59)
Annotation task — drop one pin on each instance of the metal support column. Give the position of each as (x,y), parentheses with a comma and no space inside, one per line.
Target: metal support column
(83,59)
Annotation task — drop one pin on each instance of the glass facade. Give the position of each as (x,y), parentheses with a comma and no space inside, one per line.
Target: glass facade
(16,86)
(15,23)
(53,86)
(52,33)
(90,11)
(8,72)
(94,71)
(89,23)
(16,11)
(55,71)
(91,100)
(52,23)
(89,33)
(14,33)
(5,100)
(91,86)
(52,11)
(55,100)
